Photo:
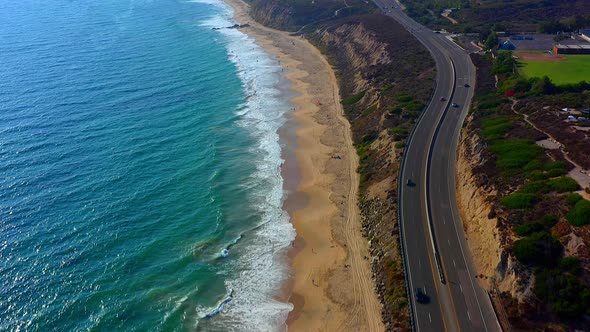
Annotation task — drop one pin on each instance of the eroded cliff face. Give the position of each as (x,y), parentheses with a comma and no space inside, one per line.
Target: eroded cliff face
(488,240)
(272,14)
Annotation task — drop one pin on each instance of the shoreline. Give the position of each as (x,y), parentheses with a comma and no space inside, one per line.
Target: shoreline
(331,286)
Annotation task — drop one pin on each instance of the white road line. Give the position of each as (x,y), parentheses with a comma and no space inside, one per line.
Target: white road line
(430,318)
(454,264)
(460,288)
(468,315)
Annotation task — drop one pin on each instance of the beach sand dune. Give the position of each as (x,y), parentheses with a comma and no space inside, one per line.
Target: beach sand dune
(332,288)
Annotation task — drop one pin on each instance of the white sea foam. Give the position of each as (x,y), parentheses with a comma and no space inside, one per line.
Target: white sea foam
(262,261)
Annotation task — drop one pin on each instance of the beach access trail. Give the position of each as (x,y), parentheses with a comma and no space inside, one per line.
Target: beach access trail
(332,287)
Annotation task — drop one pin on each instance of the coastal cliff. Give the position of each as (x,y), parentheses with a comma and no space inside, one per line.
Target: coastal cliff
(497,270)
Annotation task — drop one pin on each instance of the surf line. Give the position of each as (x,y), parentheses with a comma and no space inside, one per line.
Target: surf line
(220,306)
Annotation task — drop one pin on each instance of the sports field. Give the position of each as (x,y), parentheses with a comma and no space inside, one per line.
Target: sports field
(560,68)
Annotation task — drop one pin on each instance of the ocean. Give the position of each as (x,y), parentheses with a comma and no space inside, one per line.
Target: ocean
(140,165)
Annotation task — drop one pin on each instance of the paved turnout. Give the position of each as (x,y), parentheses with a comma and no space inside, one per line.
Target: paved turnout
(437,258)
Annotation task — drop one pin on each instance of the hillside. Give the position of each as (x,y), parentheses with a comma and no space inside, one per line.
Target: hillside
(510,15)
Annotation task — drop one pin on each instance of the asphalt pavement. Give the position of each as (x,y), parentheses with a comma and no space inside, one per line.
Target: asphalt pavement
(437,257)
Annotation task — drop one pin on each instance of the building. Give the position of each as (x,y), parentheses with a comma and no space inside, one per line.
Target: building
(571,49)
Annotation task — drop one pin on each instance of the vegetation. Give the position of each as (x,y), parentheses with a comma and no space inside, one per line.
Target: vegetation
(354,98)
(495,127)
(572,199)
(540,248)
(563,184)
(519,201)
(580,214)
(562,290)
(515,153)
(574,69)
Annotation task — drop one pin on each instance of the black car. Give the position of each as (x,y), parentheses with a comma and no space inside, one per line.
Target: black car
(421,297)
(409,183)
(455,105)
(466,85)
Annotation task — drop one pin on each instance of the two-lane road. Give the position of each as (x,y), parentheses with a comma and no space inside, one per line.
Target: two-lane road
(432,235)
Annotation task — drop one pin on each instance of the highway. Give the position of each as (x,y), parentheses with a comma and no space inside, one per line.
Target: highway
(436,254)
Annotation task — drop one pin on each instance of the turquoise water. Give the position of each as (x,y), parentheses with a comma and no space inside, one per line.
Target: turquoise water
(136,144)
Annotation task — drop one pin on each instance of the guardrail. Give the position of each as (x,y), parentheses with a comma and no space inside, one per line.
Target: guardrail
(439,123)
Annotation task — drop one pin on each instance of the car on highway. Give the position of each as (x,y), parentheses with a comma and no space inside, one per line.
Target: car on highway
(409,183)
(455,105)
(443,98)
(421,296)
(466,85)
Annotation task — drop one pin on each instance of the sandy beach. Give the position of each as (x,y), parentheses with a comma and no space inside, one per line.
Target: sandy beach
(332,288)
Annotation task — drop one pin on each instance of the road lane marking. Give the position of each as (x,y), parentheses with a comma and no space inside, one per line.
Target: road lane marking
(430,318)
(468,315)
(454,264)
(460,288)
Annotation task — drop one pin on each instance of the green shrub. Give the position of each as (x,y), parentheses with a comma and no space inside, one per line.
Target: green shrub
(536,175)
(570,264)
(514,154)
(519,201)
(534,164)
(399,133)
(563,184)
(370,109)
(556,168)
(572,199)
(549,220)
(400,144)
(395,110)
(541,248)
(556,172)
(534,187)
(558,164)
(354,98)
(495,127)
(580,214)
(387,87)
(403,98)
(528,228)
(414,106)
(565,294)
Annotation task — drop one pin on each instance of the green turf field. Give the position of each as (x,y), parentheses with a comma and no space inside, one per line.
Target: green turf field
(573,70)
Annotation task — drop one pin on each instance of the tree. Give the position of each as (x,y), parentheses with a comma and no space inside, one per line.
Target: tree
(580,214)
(543,86)
(491,41)
(541,248)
